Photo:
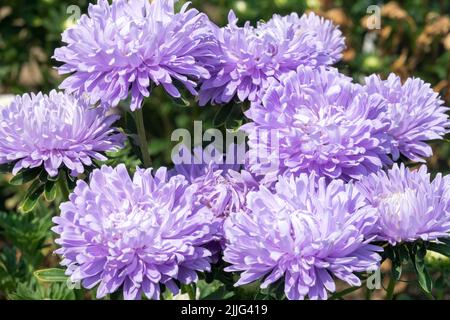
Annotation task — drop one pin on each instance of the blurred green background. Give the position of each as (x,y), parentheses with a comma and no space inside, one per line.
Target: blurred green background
(414,40)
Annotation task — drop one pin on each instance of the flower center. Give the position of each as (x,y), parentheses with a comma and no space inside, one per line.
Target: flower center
(398,204)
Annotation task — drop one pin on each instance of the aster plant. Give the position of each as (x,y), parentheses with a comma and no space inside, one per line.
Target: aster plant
(304,235)
(122,49)
(43,135)
(410,206)
(320,122)
(413,215)
(415,114)
(134,234)
(327,192)
(249,56)
(31,123)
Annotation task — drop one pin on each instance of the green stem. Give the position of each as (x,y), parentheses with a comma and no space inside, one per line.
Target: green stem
(390,288)
(143,144)
(191,291)
(62,183)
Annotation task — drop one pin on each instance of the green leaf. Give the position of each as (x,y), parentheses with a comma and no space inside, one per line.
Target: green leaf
(403,254)
(445,141)
(423,277)
(230,116)
(35,291)
(396,270)
(181,102)
(221,116)
(6,168)
(398,255)
(28,232)
(51,275)
(442,248)
(32,196)
(25,176)
(220,294)
(50,190)
(214,290)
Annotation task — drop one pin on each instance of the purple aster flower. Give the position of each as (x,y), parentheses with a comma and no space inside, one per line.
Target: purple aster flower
(222,187)
(136,233)
(304,233)
(249,56)
(315,120)
(410,206)
(414,113)
(55,130)
(327,39)
(129,45)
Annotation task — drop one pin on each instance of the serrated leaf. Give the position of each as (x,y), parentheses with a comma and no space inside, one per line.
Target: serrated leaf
(51,275)
(25,176)
(32,196)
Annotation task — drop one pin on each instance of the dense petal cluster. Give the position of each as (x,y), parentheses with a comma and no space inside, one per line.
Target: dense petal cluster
(327,40)
(315,120)
(137,233)
(129,45)
(414,112)
(249,56)
(304,233)
(55,130)
(410,206)
(222,187)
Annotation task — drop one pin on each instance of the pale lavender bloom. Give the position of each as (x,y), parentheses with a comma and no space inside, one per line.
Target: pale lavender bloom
(410,206)
(315,121)
(135,233)
(328,40)
(128,46)
(414,112)
(304,233)
(222,187)
(55,130)
(249,56)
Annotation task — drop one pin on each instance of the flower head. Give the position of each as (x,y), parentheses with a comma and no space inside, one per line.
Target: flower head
(410,206)
(222,187)
(249,56)
(325,37)
(130,45)
(137,233)
(55,130)
(315,120)
(414,114)
(304,233)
